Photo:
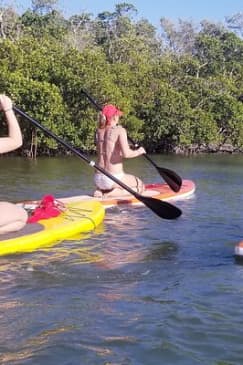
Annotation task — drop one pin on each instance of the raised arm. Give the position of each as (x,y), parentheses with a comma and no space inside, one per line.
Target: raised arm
(14,139)
(127,152)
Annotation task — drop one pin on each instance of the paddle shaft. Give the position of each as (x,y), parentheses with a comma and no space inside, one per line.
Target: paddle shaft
(99,107)
(162,209)
(146,156)
(76,152)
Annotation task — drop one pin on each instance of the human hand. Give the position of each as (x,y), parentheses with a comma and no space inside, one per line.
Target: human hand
(141,151)
(5,103)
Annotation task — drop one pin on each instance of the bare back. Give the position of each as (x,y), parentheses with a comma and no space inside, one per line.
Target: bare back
(113,149)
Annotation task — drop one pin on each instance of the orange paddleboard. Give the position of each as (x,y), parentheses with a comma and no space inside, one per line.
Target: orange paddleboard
(157,191)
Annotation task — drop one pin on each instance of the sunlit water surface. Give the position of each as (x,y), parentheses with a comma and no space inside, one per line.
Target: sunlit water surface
(139,290)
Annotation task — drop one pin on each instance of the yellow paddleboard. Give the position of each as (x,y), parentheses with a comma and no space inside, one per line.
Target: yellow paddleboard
(78,217)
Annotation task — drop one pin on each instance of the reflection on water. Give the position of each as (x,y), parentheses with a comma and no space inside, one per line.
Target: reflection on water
(138,290)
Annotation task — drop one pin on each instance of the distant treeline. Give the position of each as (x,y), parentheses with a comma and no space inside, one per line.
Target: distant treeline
(180,86)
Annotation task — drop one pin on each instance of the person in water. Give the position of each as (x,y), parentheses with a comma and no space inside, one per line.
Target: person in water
(112,147)
(12,217)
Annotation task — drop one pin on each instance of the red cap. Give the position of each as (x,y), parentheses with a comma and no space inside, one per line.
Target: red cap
(110,110)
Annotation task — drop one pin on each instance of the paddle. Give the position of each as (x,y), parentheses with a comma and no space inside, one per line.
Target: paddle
(162,209)
(171,178)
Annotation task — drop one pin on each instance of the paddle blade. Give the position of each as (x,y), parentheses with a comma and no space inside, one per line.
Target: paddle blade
(161,208)
(171,178)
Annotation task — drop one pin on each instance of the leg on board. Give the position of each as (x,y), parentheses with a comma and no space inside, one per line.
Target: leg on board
(130,180)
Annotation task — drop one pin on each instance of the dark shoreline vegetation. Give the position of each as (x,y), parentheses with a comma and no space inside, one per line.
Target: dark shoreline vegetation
(180,86)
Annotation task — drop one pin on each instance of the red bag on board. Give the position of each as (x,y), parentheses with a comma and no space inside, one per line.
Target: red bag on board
(48,208)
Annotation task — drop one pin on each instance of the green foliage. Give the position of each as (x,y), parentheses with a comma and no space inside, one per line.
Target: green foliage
(177,89)
(220,52)
(51,24)
(164,117)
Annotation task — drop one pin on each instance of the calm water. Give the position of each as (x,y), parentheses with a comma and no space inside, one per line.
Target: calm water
(139,290)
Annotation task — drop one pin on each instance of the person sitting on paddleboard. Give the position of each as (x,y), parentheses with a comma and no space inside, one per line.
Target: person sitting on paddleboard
(112,146)
(12,217)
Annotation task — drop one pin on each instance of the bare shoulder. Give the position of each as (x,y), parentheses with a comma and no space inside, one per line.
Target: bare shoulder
(121,130)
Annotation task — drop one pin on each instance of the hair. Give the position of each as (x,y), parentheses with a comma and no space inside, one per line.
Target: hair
(101,120)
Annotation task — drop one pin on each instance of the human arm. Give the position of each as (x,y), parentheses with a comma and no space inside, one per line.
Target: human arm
(127,152)
(14,139)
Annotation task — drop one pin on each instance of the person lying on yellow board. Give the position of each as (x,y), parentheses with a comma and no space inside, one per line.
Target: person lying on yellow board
(12,217)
